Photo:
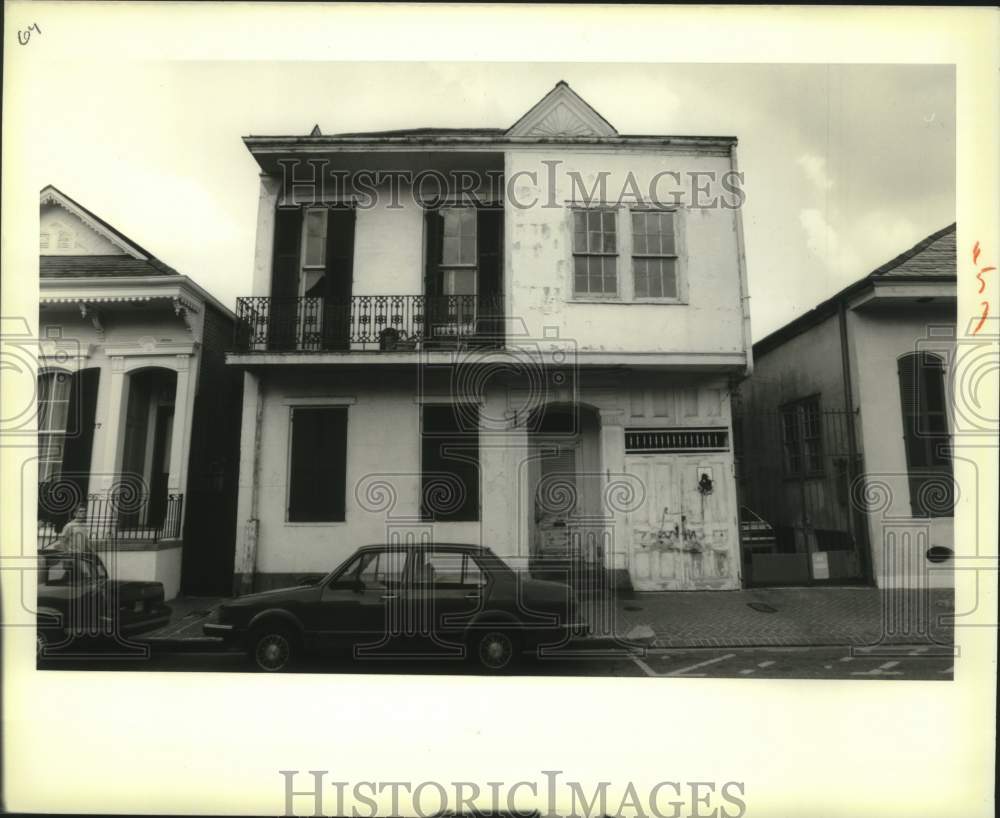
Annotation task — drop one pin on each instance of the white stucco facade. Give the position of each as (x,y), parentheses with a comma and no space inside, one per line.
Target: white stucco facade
(659,513)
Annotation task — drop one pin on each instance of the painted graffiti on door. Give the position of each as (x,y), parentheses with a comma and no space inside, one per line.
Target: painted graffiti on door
(684,537)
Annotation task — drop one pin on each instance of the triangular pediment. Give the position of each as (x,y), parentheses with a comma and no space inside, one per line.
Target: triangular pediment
(561,113)
(67,228)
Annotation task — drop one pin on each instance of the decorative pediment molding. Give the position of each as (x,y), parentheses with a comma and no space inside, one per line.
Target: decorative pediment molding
(53,196)
(561,113)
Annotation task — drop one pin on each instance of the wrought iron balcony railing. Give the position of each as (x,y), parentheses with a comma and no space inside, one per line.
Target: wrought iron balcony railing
(117,518)
(368,323)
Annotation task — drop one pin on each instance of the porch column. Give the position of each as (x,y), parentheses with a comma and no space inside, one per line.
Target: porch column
(613,467)
(180,435)
(247,523)
(106,467)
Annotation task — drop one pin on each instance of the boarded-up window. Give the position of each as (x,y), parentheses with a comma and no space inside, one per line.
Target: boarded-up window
(450,463)
(318,469)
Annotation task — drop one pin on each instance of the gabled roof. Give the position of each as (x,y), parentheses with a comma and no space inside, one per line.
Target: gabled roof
(933,258)
(50,194)
(101,267)
(562,112)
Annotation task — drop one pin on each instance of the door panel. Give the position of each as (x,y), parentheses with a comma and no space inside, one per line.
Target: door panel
(683,537)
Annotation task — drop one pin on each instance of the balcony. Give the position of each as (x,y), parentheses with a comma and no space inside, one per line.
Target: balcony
(368,323)
(112,520)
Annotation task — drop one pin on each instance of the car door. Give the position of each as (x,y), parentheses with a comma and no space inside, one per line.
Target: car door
(359,603)
(445,589)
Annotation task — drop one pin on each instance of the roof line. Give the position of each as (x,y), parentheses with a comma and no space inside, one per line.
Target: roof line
(90,214)
(825,308)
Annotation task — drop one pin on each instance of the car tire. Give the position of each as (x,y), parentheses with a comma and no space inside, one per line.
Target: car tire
(495,650)
(273,648)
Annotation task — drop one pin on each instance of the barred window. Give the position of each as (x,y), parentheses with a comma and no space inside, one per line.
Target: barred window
(802,437)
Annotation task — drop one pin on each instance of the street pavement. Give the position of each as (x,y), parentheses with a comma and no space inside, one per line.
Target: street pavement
(823,662)
(793,633)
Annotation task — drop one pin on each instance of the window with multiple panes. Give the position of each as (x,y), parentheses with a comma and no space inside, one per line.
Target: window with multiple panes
(654,254)
(450,463)
(595,252)
(314,222)
(459,257)
(802,437)
(318,465)
(53,416)
(925,434)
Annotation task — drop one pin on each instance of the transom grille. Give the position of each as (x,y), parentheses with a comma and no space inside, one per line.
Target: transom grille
(652,441)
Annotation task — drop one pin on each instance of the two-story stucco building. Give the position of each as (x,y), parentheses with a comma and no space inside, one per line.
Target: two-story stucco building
(844,431)
(523,337)
(135,405)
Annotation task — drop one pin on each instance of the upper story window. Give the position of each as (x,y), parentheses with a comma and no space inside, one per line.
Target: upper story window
(802,437)
(65,240)
(595,252)
(314,225)
(925,434)
(646,237)
(459,253)
(44,241)
(654,254)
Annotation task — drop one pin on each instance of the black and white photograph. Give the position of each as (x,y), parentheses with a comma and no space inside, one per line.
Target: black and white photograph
(422,374)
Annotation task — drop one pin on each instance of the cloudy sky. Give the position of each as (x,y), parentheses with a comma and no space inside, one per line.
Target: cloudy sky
(846,166)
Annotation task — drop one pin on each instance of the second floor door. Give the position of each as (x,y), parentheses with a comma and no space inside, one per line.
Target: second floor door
(312,279)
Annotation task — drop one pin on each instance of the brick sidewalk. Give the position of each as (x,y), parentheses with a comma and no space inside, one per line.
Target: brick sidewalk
(784,617)
(776,617)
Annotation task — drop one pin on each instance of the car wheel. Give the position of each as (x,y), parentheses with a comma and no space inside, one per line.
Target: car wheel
(273,648)
(496,650)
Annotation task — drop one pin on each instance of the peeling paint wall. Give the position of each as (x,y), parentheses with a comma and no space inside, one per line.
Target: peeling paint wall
(539,266)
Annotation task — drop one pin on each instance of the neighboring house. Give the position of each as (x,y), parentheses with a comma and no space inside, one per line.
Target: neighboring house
(843,430)
(136,408)
(529,367)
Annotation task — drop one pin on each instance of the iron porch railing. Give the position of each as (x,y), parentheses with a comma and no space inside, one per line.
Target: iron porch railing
(368,323)
(113,519)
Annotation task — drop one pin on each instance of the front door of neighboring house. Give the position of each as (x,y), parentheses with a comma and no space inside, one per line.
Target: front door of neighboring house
(683,537)
(160,471)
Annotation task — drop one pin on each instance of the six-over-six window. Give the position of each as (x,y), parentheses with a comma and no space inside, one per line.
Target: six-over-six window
(649,244)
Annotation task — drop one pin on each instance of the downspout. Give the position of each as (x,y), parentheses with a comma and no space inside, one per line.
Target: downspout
(741,257)
(248,571)
(860,531)
(741,260)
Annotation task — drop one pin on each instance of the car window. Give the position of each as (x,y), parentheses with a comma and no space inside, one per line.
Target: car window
(64,570)
(447,568)
(382,568)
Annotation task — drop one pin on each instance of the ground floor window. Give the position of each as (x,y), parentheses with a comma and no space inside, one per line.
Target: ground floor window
(450,463)
(925,434)
(318,466)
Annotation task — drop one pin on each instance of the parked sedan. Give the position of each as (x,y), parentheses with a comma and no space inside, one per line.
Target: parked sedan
(77,601)
(456,601)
